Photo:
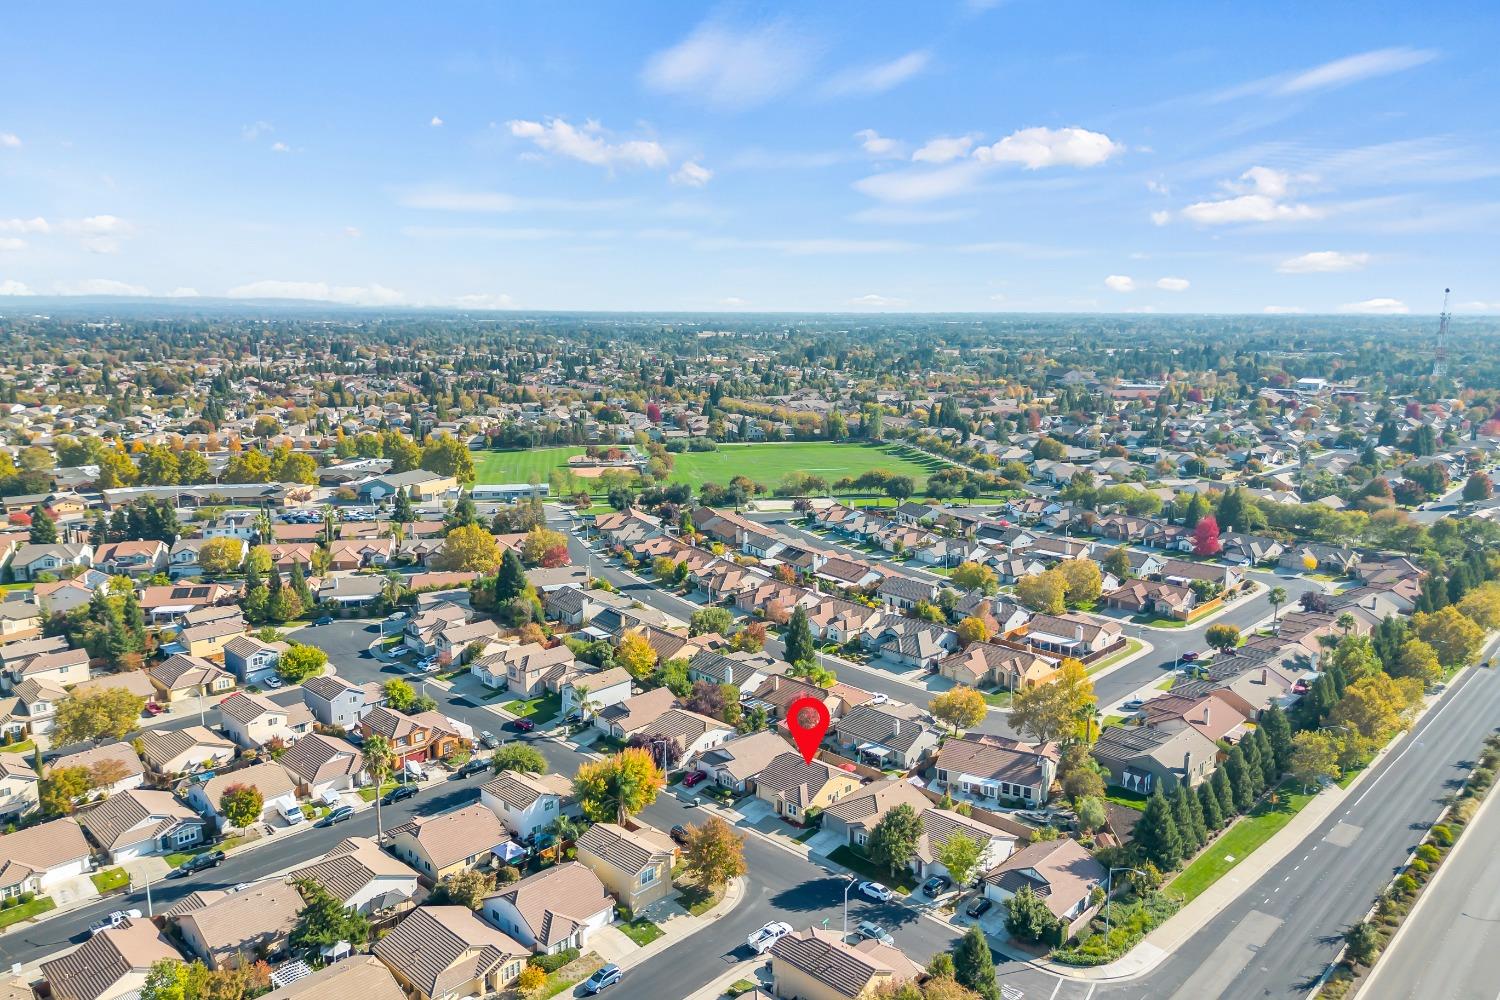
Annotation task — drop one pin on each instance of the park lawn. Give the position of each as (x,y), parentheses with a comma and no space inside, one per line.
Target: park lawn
(25,911)
(110,878)
(521,466)
(1239,841)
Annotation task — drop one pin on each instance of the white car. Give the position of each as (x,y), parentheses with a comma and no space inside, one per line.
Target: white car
(114,920)
(875,891)
(761,941)
(879,699)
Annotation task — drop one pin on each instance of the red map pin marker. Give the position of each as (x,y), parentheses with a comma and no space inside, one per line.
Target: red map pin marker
(807,718)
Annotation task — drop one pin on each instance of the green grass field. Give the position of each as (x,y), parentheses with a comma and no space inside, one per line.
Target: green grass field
(767,464)
(1236,843)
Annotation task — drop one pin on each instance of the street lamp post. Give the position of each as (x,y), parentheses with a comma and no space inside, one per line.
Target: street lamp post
(1109,885)
(849,885)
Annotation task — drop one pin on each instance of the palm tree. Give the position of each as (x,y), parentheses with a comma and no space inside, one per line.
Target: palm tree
(587,705)
(1345,621)
(1277,597)
(378,763)
(565,829)
(264,527)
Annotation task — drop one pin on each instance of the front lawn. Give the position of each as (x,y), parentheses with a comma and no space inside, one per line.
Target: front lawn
(1236,843)
(997,699)
(640,930)
(698,900)
(544,707)
(1124,797)
(23,746)
(110,879)
(859,862)
(25,911)
(369,794)
(1132,646)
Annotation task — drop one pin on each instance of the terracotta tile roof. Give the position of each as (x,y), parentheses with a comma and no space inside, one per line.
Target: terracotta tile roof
(556,901)
(363,976)
(135,815)
(849,969)
(40,848)
(451,837)
(439,948)
(96,966)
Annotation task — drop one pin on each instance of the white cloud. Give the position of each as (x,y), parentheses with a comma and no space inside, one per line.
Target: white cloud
(1120,283)
(1351,69)
(1035,148)
(436,122)
(877,145)
(183,293)
(921,185)
(280,147)
(252,132)
(692,174)
(945,148)
(36,225)
(1376,307)
(485,300)
(1257,196)
(1158,187)
(880,77)
(12,243)
(320,291)
(98,286)
(1324,262)
(1264,180)
(588,144)
(729,67)
(9,140)
(1161,218)
(874,301)
(12,287)
(1172,284)
(1283,310)
(98,225)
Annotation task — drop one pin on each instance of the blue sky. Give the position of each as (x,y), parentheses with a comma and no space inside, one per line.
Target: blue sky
(958,155)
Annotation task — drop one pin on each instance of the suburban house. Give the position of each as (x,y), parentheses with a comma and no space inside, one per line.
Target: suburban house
(745,670)
(324,766)
(901,593)
(428,736)
(1061,872)
(555,909)
(35,706)
(277,788)
(209,639)
(736,763)
(36,858)
(183,751)
(1213,714)
(528,804)
(1143,758)
(132,558)
(142,822)
(20,791)
(889,735)
(816,964)
(986,665)
(941,825)
(524,669)
(857,813)
(691,732)
(181,677)
(31,559)
(454,642)
(253,720)
(363,976)
(1169,600)
(361,876)
(169,604)
(55,668)
(242,926)
(437,846)
(634,865)
(996,770)
(792,786)
(111,965)
(334,701)
(115,767)
(634,714)
(1072,634)
(587,694)
(443,952)
(252,660)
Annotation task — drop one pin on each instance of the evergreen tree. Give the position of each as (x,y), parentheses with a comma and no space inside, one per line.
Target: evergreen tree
(1208,807)
(273,583)
(511,581)
(974,966)
(1278,730)
(1224,792)
(401,510)
(1182,818)
(1241,789)
(43,528)
(300,588)
(1337,679)
(1253,769)
(1156,833)
(799,639)
(1268,769)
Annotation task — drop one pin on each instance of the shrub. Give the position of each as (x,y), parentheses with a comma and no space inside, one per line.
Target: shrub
(551,963)
(1418,866)
(1429,854)
(1404,886)
(508,874)
(1442,834)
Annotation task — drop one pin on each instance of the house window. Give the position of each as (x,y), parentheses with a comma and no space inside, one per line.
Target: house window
(1026,792)
(648,876)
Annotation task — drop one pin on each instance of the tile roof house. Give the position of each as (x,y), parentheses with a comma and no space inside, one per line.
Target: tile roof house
(555,909)
(427,736)
(448,951)
(236,929)
(524,669)
(142,822)
(793,786)
(181,677)
(323,765)
(335,701)
(253,720)
(818,965)
(111,965)
(635,865)
(736,763)
(361,876)
(528,804)
(887,735)
(1061,872)
(277,787)
(448,843)
(19,788)
(986,664)
(995,769)
(363,976)
(36,858)
(252,660)
(55,666)
(1072,634)
(1143,758)
(856,814)
(1213,714)
(115,767)
(634,714)
(181,751)
(598,690)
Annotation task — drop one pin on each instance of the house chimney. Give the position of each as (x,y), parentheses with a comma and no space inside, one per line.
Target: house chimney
(1078,632)
(1265,675)
(1187,766)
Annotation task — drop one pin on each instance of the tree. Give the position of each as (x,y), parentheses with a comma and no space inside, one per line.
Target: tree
(1277,597)
(448,456)
(531,979)
(1482,606)
(1241,784)
(1222,637)
(1355,657)
(324,921)
(1117,563)
(1363,941)
(1156,833)
(469,549)
(1206,537)
(960,707)
(171,979)
(1208,805)
(900,487)
(1188,816)
(1478,487)
(1082,579)
(300,662)
(1377,706)
(399,695)
(799,638)
(1027,916)
(1044,592)
(107,714)
(540,547)
(615,788)
(973,965)
(62,789)
(242,805)
(893,842)
(43,529)
(1418,659)
(960,854)
(1092,816)
(378,761)
(1314,757)
(221,556)
(1081,775)
(1052,710)
(402,511)
(1452,635)
(463,888)
(975,576)
(708,621)
(510,582)
(1278,730)
(636,655)
(520,757)
(972,630)
(714,853)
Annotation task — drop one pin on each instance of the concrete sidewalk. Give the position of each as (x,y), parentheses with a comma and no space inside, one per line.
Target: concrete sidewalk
(677,924)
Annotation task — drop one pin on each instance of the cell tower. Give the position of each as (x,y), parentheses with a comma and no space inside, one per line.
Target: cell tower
(1440,352)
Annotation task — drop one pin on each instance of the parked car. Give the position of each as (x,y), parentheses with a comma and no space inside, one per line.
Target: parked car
(875,891)
(979,907)
(761,941)
(473,766)
(874,932)
(153,709)
(1133,705)
(521,725)
(937,885)
(488,740)
(879,699)
(692,778)
(325,620)
(198,863)
(112,921)
(274,681)
(602,979)
(1190,656)
(398,793)
(679,833)
(338,815)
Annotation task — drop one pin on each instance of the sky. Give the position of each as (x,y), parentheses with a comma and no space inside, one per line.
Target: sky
(949,155)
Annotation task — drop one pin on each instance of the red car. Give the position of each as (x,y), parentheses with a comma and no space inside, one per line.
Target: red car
(153,709)
(522,725)
(693,778)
